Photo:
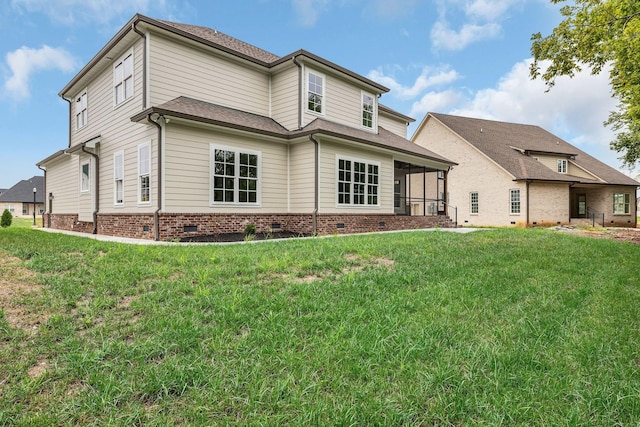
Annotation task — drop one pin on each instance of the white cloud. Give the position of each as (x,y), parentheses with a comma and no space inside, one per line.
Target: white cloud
(70,12)
(25,61)
(443,37)
(429,77)
(308,11)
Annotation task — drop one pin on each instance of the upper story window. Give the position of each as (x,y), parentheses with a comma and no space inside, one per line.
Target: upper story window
(621,204)
(514,199)
(315,92)
(81,110)
(367,110)
(144,173)
(358,182)
(562,165)
(235,175)
(123,79)
(84,177)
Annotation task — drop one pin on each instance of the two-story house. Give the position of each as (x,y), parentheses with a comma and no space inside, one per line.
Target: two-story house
(178,130)
(518,174)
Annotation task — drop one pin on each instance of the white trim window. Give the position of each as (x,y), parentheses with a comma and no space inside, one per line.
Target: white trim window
(474,202)
(562,165)
(85,176)
(144,173)
(123,79)
(514,201)
(368,108)
(235,176)
(315,92)
(358,182)
(118,178)
(81,110)
(621,204)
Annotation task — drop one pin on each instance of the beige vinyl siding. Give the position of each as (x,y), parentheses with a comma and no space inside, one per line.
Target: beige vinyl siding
(474,172)
(302,177)
(187,170)
(328,178)
(180,69)
(548,204)
(284,98)
(63,182)
(392,125)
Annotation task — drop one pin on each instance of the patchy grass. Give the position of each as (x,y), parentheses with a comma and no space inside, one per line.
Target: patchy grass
(511,327)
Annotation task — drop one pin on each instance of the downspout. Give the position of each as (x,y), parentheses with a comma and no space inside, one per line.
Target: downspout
(144,64)
(527,182)
(70,120)
(96,208)
(316,182)
(156,214)
(44,194)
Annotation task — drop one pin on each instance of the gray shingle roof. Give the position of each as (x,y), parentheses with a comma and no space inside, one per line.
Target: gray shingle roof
(23,191)
(205,112)
(513,146)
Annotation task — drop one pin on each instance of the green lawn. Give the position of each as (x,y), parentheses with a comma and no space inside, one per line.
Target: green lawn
(498,327)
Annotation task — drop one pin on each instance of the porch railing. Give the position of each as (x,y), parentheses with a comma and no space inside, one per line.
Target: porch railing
(594,215)
(417,206)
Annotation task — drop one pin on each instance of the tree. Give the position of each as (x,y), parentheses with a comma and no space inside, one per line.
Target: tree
(6,219)
(599,33)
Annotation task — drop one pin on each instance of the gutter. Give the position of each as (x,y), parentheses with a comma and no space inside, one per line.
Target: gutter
(156,214)
(96,207)
(316,182)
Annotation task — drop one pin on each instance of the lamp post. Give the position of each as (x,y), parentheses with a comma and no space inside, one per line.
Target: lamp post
(34,206)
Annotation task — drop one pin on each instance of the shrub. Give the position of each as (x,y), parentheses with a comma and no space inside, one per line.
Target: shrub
(250,229)
(6,219)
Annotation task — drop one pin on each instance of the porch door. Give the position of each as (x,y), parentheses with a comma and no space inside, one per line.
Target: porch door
(582,205)
(398,195)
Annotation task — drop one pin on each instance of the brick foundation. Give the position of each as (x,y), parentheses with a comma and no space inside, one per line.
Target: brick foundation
(177,225)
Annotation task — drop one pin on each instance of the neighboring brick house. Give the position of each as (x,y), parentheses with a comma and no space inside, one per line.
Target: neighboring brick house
(19,199)
(516,174)
(179,130)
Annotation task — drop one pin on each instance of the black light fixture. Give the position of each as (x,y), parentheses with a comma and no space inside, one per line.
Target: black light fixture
(34,205)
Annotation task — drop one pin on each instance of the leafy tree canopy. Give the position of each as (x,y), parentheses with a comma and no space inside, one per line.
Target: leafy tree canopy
(599,33)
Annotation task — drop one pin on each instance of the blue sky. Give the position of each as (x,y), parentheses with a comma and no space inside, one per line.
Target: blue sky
(465,57)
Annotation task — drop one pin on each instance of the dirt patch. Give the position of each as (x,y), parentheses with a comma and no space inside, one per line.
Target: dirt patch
(17,286)
(631,235)
(39,368)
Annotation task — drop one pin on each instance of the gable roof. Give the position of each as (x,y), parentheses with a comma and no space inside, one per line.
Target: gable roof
(22,192)
(205,112)
(511,146)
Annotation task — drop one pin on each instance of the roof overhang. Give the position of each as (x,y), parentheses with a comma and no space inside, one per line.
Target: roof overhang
(90,143)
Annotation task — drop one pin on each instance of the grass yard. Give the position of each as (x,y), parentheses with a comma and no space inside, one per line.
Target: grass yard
(500,327)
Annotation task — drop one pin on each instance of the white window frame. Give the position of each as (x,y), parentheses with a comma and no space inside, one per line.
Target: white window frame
(563,166)
(144,171)
(371,183)
(321,94)
(10,208)
(236,176)
(626,203)
(512,202)
(85,183)
(123,79)
(25,208)
(82,118)
(363,96)
(474,204)
(118,178)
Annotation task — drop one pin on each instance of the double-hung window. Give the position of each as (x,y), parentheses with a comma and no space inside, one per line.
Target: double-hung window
(123,79)
(315,92)
(81,110)
(514,200)
(84,177)
(474,202)
(235,175)
(358,182)
(562,165)
(367,110)
(118,178)
(144,173)
(621,204)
